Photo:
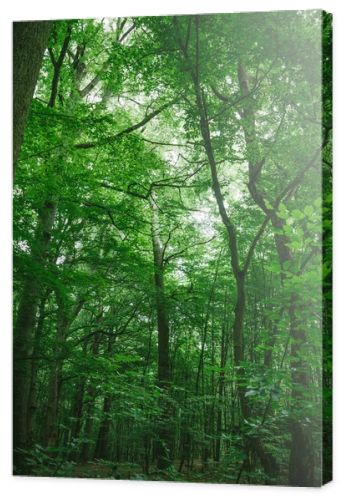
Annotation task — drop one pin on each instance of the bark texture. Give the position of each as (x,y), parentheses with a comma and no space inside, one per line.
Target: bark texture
(29,44)
(164,435)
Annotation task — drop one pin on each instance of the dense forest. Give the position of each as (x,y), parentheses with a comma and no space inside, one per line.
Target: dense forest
(172,248)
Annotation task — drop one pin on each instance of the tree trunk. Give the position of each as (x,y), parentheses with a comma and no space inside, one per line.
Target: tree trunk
(32,398)
(29,44)
(102,444)
(164,434)
(102,447)
(89,407)
(302,459)
(54,385)
(221,382)
(205,328)
(77,413)
(23,334)
(89,423)
(64,320)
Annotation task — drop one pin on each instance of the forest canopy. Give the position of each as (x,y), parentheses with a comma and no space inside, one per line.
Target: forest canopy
(172,248)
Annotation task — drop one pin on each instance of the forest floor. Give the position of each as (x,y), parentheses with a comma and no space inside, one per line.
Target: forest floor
(130,471)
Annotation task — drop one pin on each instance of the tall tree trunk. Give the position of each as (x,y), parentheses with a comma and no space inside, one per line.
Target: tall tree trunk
(77,414)
(302,459)
(54,385)
(64,321)
(23,334)
(205,328)
(102,445)
(32,397)
(164,434)
(89,405)
(87,446)
(29,44)
(206,407)
(221,381)
(77,409)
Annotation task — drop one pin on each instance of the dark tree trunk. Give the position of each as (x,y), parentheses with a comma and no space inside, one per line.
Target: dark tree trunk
(86,450)
(164,434)
(221,383)
(23,334)
(302,459)
(51,428)
(205,330)
(102,443)
(64,320)
(77,410)
(29,43)
(33,390)
(89,405)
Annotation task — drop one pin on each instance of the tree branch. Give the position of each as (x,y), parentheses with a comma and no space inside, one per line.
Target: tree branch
(177,254)
(57,66)
(128,130)
(132,27)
